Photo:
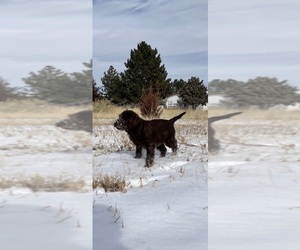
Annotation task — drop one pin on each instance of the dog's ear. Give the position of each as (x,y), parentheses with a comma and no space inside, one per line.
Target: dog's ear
(131,118)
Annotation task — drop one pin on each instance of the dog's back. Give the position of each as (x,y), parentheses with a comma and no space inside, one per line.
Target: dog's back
(161,130)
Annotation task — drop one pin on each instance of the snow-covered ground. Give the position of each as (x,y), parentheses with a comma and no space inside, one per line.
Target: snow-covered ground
(164,207)
(253,187)
(45,188)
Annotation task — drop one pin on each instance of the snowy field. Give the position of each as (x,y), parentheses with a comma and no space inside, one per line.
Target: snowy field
(253,187)
(45,187)
(164,207)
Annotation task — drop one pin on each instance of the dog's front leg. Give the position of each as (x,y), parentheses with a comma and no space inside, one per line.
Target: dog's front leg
(150,156)
(138,152)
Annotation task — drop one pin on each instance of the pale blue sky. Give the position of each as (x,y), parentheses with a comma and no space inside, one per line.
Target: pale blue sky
(245,39)
(254,38)
(36,33)
(178,29)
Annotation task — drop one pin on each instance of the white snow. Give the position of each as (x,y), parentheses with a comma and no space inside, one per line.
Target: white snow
(44,220)
(253,187)
(164,207)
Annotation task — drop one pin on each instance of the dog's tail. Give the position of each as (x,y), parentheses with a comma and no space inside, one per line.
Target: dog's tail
(174,119)
(221,117)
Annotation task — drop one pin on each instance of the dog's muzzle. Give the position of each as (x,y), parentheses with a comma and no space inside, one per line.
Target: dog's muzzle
(120,124)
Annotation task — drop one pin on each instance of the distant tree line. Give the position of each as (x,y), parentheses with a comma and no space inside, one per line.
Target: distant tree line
(144,70)
(261,92)
(7,92)
(53,85)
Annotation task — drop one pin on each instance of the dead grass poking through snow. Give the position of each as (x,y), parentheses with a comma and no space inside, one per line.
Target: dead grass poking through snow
(37,111)
(38,183)
(259,114)
(110,183)
(105,113)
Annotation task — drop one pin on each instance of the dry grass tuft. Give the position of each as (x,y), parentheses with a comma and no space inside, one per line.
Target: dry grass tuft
(104,106)
(110,183)
(149,105)
(259,114)
(105,113)
(38,183)
(104,109)
(34,111)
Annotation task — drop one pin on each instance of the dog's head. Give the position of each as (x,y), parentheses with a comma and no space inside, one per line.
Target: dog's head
(127,120)
(120,124)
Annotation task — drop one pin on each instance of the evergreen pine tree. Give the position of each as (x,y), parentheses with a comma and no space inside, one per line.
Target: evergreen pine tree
(176,85)
(96,92)
(113,88)
(262,92)
(7,92)
(55,86)
(194,93)
(144,69)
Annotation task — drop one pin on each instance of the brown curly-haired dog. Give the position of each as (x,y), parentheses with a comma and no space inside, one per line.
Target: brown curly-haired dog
(149,134)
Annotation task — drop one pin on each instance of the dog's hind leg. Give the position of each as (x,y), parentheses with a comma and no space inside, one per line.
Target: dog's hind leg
(138,152)
(150,156)
(162,150)
(172,143)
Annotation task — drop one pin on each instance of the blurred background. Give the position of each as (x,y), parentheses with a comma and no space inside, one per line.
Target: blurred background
(45,80)
(253,168)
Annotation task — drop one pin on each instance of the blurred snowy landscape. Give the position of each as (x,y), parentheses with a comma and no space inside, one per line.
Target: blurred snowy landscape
(251,188)
(45,187)
(254,192)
